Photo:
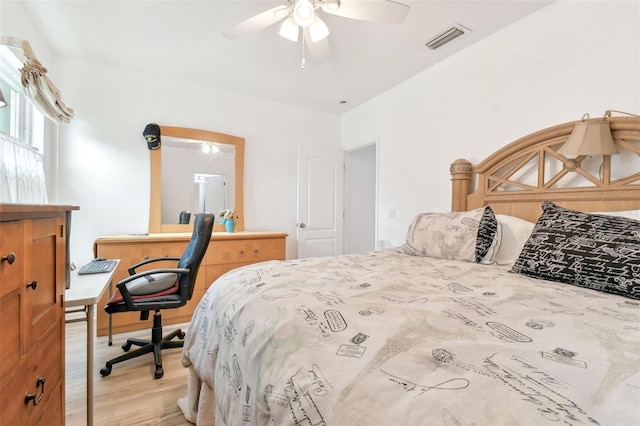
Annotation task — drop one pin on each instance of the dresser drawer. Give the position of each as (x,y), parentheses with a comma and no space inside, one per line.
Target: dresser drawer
(53,411)
(11,248)
(213,272)
(245,251)
(130,254)
(45,361)
(10,342)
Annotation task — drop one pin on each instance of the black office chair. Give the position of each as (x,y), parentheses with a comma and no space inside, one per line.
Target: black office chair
(157,289)
(185,217)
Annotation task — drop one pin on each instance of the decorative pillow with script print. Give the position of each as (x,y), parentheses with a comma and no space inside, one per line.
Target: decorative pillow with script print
(463,236)
(595,251)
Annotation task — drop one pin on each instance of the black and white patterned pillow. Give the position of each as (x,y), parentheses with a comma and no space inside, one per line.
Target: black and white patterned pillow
(463,236)
(486,233)
(595,251)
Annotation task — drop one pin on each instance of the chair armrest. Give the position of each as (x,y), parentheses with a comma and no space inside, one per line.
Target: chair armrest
(132,269)
(124,291)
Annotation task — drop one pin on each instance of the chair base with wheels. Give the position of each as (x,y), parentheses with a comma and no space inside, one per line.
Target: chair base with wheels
(157,343)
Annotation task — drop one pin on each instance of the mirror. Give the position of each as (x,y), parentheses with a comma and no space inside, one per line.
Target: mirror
(183,177)
(197,176)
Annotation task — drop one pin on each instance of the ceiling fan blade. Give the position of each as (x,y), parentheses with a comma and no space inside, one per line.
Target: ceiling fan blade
(376,11)
(257,22)
(320,49)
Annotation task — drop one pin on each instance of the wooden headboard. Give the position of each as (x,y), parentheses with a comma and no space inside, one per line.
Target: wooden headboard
(516,179)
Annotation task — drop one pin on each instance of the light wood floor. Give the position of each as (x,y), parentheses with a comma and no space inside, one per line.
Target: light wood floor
(129,395)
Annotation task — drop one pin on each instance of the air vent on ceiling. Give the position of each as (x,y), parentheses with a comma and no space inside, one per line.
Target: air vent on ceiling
(447,36)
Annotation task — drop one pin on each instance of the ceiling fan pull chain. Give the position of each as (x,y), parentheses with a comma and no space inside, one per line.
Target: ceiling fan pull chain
(303,59)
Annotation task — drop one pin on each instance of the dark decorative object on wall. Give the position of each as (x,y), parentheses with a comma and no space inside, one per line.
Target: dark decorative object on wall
(152,134)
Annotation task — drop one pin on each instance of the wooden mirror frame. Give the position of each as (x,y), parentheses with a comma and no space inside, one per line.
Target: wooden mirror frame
(155,208)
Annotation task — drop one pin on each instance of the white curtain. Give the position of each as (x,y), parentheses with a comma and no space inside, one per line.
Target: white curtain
(22,178)
(37,86)
(44,94)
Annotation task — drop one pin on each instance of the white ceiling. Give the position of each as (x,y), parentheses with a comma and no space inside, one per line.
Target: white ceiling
(183,40)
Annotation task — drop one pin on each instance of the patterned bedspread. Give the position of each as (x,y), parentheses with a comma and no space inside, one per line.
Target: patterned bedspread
(385,338)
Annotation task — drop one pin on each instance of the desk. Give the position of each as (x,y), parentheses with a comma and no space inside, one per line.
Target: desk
(86,291)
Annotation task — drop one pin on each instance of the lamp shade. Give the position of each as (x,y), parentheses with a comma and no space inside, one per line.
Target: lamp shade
(590,138)
(289,29)
(318,30)
(3,102)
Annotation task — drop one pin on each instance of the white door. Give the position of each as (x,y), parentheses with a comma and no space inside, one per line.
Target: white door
(211,191)
(320,199)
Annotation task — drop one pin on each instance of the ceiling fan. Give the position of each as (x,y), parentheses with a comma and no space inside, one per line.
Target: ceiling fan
(304,14)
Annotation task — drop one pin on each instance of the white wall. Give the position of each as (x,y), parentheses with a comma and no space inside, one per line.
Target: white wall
(553,66)
(104,161)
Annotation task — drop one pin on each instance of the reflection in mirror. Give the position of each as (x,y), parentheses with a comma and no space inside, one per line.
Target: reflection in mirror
(212,193)
(186,178)
(196,179)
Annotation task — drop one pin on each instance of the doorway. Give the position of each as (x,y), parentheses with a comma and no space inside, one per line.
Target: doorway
(360,224)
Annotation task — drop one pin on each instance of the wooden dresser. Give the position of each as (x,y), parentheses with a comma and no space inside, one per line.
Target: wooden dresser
(226,251)
(33,242)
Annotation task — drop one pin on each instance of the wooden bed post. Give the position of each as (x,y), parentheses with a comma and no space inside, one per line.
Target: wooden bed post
(461,181)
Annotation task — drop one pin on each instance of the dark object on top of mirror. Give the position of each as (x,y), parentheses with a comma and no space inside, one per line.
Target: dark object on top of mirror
(152,135)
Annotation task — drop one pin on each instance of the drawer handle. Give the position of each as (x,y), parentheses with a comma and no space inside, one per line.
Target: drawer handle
(32,396)
(10,258)
(33,284)
(241,251)
(256,250)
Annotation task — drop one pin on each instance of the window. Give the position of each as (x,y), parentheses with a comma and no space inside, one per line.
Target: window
(22,135)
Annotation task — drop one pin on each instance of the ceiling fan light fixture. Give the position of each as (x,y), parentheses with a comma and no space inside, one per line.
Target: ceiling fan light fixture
(318,30)
(289,29)
(331,5)
(304,13)
(209,148)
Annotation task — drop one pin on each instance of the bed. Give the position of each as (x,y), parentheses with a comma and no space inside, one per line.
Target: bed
(516,307)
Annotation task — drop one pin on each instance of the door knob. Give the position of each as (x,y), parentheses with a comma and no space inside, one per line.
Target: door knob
(301,225)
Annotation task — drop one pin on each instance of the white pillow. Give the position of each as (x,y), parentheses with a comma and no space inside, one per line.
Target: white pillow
(630,214)
(153,283)
(510,238)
